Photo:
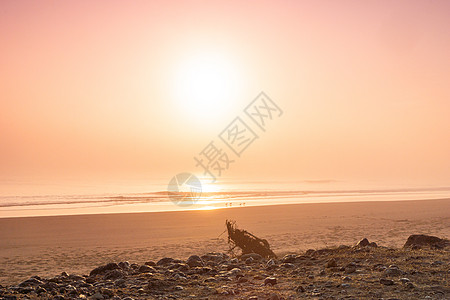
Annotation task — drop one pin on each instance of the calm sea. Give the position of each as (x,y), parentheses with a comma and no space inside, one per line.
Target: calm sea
(19,199)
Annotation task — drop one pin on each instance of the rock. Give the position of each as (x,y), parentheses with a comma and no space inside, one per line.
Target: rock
(178,288)
(393,271)
(210,279)
(179,266)
(274,297)
(331,263)
(404,280)
(179,277)
(287,265)
(379,267)
(194,261)
(289,258)
(421,240)
(235,272)
(125,265)
(271,263)
(156,283)
(30,282)
(345,285)
(25,290)
(386,281)
(350,268)
(410,285)
(107,292)
(437,263)
(146,269)
(234,261)
(112,275)
(165,261)
(373,244)
(254,256)
(300,289)
(90,280)
(363,243)
(104,269)
(120,283)
(270,280)
(249,261)
(310,252)
(65,274)
(346,278)
(76,277)
(214,257)
(242,280)
(50,286)
(97,296)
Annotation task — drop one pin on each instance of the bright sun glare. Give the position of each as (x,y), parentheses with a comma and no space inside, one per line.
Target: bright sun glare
(207,86)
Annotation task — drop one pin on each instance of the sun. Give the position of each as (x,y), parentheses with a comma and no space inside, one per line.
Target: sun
(207,86)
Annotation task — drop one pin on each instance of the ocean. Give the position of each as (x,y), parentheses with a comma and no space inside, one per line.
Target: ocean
(22,199)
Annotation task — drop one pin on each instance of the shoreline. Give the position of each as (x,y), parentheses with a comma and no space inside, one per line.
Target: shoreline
(134,208)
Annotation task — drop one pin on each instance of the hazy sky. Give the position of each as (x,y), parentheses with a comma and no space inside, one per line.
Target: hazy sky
(136,89)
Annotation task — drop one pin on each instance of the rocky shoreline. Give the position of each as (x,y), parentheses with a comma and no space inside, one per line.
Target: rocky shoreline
(419,270)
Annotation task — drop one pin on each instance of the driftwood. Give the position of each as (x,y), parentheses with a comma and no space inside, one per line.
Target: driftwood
(247,242)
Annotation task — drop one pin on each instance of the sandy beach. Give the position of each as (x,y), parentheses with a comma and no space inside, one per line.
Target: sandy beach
(46,246)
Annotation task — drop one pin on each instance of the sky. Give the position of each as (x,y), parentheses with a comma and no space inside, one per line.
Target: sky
(134,91)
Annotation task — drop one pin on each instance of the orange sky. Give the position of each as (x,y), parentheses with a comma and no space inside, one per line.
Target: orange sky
(89,90)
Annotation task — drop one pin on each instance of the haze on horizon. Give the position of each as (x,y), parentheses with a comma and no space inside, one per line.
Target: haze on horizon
(104,89)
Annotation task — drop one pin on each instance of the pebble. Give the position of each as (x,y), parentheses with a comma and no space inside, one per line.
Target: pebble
(271,263)
(331,263)
(289,258)
(146,269)
(287,265)
(194,261)
(363,243)
(255,256)
(350,269)
(386,281)
(300,289)
(97,296)
(165,261)
(270,280)
(104,269)
(346,278)
(393,271)
(404,280)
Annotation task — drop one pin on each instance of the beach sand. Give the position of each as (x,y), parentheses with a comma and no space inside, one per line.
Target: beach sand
(47,246)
